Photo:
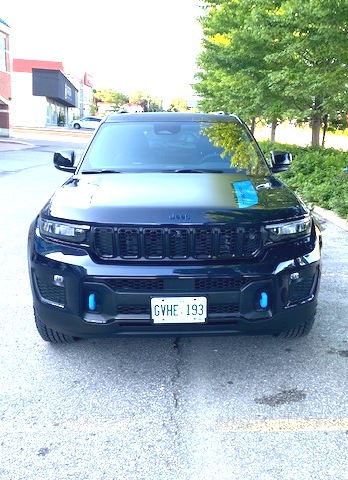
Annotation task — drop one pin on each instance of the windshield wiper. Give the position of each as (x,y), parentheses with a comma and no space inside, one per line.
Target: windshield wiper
(192,170)
(101,170)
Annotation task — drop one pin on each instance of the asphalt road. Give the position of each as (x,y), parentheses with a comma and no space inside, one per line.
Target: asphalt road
(214,408)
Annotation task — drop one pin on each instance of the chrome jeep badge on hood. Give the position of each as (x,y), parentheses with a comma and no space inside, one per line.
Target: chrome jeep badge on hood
(179,216)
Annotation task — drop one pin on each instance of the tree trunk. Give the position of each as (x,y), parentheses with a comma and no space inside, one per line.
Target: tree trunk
(253,124)
(273,130)
(316,124)
(325,127)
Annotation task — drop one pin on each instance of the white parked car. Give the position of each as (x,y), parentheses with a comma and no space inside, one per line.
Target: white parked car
(86,122)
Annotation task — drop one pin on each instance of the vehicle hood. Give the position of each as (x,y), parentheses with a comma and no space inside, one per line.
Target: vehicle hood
(167,198)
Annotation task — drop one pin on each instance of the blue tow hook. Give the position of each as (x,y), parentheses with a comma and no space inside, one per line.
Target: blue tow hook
(92,302)
(263,301)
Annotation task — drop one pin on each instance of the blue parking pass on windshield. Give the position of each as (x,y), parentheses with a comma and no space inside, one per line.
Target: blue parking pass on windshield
(246,194)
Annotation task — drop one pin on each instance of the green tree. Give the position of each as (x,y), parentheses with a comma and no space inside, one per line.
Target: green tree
(178,104)
(310,64)
(233,64)
(236,145)
(149,103)
(109,96)
(275,59)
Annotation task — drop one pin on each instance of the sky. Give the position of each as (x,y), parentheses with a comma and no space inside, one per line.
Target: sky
(125,45)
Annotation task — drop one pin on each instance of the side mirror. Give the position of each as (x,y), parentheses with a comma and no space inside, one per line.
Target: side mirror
(64,160)
(280,161)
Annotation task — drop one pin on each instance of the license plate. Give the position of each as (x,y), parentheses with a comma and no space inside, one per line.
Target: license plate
(178,310)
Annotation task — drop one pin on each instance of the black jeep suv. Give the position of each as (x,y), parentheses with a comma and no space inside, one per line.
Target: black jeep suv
(173,224)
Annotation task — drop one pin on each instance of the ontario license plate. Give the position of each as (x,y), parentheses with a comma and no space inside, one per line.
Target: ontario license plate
(178,310)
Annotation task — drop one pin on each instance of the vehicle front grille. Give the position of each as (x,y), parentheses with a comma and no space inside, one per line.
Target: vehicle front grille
(176,243)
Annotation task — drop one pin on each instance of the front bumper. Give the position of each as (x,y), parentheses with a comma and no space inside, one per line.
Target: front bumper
(64,279)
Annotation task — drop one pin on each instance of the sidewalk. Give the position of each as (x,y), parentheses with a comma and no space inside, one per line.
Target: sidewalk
(7,144)
(331,217)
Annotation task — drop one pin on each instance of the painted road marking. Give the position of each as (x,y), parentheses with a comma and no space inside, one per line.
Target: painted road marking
(281,425)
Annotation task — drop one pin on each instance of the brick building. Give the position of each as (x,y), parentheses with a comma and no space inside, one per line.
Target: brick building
(5,79)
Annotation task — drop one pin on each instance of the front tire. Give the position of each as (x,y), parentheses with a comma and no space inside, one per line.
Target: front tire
(77,126)
(50,335)
(301,330)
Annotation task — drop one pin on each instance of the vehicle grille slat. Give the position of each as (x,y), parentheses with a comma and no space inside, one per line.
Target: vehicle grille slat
(179,246)
(129,242)
(104,242)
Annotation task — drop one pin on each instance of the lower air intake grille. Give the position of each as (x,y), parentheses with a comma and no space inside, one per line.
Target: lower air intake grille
(301,289)
(50,292)
(134,284)
(220,283)
(172,286)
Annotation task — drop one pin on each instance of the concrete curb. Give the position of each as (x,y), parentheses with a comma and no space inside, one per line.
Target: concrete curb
(331,217)
(13,141)
(12,144)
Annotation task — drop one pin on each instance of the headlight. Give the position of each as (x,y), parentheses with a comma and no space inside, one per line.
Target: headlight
(283,231)
(63,231)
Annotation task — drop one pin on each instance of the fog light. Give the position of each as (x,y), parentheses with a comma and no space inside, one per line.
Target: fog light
(58,280)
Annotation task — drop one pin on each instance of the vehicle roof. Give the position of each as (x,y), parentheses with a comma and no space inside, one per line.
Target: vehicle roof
(171,117)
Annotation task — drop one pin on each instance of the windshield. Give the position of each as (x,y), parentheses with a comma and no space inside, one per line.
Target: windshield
(173,146)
